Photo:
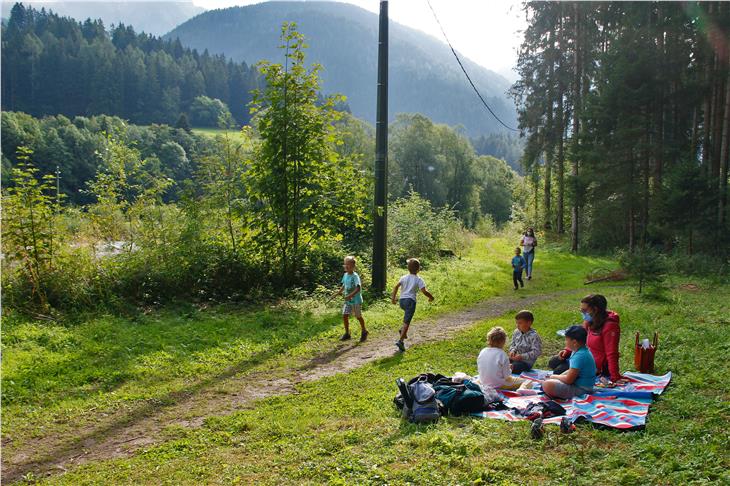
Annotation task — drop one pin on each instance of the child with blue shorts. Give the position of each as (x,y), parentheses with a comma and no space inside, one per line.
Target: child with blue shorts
(409,286)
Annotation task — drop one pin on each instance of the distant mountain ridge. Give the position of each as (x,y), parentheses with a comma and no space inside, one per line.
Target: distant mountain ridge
(424,76)
(152,17)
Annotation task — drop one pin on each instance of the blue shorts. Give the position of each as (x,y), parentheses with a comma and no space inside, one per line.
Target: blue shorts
(409,308)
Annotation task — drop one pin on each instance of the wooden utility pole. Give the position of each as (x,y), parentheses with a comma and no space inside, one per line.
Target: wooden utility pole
(380,206)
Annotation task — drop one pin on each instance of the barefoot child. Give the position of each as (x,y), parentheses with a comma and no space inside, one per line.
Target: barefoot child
(526,345)
(493,363)
(351,287)
(409,286)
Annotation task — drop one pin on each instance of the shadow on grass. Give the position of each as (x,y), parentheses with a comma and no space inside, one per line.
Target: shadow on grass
(278,330)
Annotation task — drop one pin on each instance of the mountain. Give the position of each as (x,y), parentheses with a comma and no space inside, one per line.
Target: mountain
(423,74)
(152,17)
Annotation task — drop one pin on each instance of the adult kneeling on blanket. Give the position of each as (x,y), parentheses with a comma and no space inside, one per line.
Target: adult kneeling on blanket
(581,372)
(603,335)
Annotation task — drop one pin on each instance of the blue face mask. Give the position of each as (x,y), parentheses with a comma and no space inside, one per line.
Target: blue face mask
(586,316)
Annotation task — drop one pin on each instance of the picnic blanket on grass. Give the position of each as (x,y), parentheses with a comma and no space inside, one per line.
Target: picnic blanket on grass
(623,407)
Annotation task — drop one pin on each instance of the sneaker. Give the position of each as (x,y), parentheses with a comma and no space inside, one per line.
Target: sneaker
(566,426)
(345,336)
(536,430)
(529,277)
(364,336)
(401,346)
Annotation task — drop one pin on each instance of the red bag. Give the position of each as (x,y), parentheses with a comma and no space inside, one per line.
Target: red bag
(644,357)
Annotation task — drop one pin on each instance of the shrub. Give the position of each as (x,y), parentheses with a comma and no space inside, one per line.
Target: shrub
(415,229)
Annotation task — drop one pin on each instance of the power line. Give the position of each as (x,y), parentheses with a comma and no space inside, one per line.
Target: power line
(464,69)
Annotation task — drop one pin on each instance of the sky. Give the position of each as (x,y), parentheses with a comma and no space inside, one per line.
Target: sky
(486,31)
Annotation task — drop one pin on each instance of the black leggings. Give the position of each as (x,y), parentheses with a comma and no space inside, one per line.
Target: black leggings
(558,365)
(517,277)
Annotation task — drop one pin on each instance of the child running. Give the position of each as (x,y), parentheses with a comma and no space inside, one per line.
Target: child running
(518,264)
(351,287)
(409,286)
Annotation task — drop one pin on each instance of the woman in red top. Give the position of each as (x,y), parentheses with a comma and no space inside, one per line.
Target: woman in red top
(604,334)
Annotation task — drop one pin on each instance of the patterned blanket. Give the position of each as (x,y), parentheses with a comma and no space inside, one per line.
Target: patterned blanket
(624,407)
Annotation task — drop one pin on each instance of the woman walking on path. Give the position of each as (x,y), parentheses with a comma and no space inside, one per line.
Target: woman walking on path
(529,243)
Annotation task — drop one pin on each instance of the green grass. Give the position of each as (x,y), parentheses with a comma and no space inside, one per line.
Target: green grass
(215,132)
(59,376)
(345,430)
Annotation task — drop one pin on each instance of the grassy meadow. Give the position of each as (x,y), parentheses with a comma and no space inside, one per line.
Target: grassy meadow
(344,429)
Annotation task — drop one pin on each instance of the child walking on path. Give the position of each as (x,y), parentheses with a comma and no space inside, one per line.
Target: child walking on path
(409,286)
(518,264)
(351,287)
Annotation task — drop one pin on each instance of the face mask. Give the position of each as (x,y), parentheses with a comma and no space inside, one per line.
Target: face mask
(586,316)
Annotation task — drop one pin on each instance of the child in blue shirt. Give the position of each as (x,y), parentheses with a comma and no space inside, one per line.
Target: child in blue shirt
(581,375)
(351,288)
(518,264)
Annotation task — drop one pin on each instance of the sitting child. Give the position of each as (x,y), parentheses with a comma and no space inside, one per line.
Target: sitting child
(493,363)
(526,345)
(581,374)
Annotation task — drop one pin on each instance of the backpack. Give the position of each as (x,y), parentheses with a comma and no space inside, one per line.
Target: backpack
(425,406)
(417,399)
(460,398)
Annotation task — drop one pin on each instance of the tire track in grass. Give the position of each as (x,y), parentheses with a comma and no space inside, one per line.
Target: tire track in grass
(121,434)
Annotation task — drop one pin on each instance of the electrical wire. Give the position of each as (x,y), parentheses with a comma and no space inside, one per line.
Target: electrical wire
(464,69)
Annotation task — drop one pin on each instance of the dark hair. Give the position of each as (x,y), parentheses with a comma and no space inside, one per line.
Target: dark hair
(578,333)
(599,304)
(530,232)
(525,315)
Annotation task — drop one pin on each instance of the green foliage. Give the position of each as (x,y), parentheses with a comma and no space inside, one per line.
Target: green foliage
(31,239)
(210,112)
(73,146)
(417,230)
(301,189)
(439,163)
(53,65)
(647,266)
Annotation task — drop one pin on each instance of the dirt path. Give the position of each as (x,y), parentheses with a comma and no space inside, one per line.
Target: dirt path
(120,434)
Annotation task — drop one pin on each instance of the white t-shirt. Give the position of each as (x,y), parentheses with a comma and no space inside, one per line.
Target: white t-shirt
(528,243)
(410,285)
(493,367)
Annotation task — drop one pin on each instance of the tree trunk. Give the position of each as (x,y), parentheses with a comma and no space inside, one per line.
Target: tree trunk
(706,110)
(574,223)
(559,135)
(724,155)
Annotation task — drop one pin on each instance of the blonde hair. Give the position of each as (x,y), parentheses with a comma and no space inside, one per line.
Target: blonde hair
(496,336)
(350,258)
(413,265)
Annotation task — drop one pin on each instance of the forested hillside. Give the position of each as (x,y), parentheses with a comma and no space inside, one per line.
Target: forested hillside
(424,76)
(152,17)
(628,106)
(55,65)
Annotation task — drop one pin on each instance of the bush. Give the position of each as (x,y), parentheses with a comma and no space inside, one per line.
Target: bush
(415,229)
